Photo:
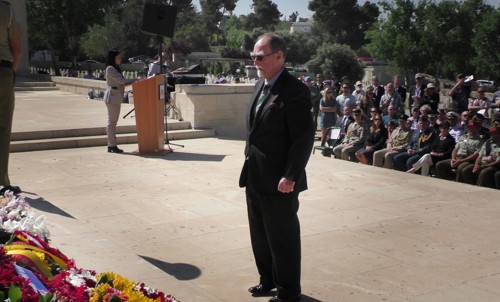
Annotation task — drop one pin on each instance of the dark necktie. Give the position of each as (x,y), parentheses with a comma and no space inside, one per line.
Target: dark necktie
(262,97)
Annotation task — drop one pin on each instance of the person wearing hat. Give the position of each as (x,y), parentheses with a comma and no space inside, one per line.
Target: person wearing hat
(417,91)
(460,94)
(456,130)
(480,103)
(328,111)
(358,93)
(465,153)
(487,163)
(431,97)
(315,98)
(420,144)
(353,140)
(113,97)
(397,142)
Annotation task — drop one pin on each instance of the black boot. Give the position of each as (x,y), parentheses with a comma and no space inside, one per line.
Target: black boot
(114,149)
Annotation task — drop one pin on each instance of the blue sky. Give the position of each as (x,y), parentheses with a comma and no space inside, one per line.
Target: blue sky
(287,7)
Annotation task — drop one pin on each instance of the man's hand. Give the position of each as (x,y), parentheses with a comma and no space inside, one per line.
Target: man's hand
(286,186)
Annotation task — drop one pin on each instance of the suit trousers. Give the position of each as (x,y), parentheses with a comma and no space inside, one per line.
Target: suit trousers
(113,115)
(7,101)
(275,236)
(346,152)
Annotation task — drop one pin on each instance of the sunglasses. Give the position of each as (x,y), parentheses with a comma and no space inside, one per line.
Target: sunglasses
(345,87)
(377,119)
(328,92)
(260,57)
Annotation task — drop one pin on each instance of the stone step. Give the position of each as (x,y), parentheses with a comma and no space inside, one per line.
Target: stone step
(98,140)
(35,86)
(95,136)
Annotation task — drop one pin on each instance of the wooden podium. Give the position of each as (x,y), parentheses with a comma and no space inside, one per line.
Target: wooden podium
(149,104)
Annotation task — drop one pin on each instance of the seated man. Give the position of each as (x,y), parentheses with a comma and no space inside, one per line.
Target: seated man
(487,163)
(353,140)
(397,142)
(465,153)
(391,116)
(420,144)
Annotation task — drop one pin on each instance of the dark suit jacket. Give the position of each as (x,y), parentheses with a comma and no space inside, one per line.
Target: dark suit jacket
(280,137)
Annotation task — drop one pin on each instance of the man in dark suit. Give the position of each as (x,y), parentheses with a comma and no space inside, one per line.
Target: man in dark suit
(279,142)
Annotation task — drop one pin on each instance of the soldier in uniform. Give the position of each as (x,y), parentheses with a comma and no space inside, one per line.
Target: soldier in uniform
(10,56)
(353,140)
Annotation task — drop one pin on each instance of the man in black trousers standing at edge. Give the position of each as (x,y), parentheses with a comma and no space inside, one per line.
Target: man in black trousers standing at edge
(10,56)
(279,142)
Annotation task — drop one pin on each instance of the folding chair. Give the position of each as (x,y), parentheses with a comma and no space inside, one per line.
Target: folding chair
(329,141)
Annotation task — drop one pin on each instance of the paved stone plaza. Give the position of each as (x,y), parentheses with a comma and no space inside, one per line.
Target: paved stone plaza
(178,222)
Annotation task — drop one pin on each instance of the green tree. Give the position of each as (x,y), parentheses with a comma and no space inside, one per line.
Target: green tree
(213,12)
(300,47)
(486,42)
(58,24)
(336,59)
(266,15)
(344,21)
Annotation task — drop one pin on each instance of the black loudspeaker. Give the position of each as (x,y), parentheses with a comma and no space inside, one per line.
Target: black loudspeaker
(159,19)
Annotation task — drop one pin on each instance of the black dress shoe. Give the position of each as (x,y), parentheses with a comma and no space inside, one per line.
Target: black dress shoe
(13,189)
(114,149)
(276,299)
(260,290)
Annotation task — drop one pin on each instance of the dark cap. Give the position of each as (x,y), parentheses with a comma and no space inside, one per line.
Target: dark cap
(356,111)
(460,76)
(474,121)
(424,118)
(403,117)
(327,82)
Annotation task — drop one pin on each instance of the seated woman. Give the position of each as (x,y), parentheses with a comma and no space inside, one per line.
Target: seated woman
(375,141)
(441,149)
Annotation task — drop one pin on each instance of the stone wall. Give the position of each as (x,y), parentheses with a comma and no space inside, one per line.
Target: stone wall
(221,107)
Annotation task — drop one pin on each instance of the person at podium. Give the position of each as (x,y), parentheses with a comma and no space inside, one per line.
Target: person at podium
(113,97)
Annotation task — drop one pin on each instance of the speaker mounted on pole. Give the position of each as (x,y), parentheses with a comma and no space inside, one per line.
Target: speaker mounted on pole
(159,19)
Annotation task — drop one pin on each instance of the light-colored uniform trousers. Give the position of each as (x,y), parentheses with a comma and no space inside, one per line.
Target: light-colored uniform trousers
(7,100)
(113,115)
(384,156)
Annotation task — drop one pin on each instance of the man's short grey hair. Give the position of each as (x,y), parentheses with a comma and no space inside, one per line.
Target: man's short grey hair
(275,41)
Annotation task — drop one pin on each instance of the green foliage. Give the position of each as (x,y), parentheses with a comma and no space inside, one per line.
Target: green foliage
(300,47)
(15,294)
(235,38)
(336,59)
(344,21)
(433,37)
(265,15)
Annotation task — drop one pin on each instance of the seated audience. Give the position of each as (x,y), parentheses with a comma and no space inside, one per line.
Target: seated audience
(441,149)
(353,140)
(397,142)
(420,144)
(375,141)
(465,153)
(487,163)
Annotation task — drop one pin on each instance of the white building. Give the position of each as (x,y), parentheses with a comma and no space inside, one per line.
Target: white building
(303,27)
